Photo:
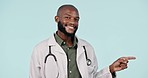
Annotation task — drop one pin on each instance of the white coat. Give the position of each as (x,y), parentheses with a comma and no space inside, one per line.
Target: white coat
(53,69)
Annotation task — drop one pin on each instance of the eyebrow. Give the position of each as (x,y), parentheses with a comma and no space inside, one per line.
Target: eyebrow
(70,15)
(67,14)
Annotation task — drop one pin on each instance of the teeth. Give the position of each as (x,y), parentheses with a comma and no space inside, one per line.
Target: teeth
(70,27)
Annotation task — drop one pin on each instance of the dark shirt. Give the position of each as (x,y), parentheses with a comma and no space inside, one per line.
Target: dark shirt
(71,52)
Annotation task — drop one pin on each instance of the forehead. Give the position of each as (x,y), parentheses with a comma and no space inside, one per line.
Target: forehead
(69,11)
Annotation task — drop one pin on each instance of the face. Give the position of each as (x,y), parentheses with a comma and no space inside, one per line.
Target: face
(68,21)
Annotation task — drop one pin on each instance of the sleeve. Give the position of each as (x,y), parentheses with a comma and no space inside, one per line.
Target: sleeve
(34,66)
(104,73)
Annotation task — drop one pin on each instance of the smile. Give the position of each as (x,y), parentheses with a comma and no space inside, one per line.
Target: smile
(70,27)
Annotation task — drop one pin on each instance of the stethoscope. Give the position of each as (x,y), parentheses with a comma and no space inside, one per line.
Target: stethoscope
(52,55)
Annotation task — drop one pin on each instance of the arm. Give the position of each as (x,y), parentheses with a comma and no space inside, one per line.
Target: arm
(34,66)
(118,65)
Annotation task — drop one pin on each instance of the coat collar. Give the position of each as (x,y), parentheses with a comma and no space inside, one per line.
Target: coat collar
(80,50)
(52,42)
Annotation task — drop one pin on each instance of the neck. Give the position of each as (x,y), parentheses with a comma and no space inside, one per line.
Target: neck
(65,38)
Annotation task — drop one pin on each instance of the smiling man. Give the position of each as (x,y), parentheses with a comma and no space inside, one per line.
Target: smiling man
(66,56)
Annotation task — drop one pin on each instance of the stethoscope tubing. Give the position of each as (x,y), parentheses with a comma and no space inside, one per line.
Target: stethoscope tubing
(50,54)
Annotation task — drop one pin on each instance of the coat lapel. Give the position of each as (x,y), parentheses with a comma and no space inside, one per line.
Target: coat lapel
(81,59)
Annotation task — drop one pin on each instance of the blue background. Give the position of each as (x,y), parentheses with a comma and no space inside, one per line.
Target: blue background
(115,28)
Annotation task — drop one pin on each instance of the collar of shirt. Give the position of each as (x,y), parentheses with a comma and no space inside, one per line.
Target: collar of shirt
(61,42)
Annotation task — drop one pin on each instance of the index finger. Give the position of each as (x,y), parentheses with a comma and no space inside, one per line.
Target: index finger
(130,58)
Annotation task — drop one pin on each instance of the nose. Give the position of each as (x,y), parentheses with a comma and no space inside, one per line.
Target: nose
(72,22)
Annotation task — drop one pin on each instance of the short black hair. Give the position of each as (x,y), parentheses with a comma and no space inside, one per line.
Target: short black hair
(66,5)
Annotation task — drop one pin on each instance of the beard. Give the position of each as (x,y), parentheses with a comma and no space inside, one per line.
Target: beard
(63,30)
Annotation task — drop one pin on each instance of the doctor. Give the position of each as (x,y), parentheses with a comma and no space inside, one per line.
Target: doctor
(66,56)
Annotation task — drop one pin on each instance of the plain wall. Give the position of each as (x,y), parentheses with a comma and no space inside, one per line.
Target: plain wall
(114,28)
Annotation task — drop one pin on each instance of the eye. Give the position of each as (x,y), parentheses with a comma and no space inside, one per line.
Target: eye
(76,19)
(67,17)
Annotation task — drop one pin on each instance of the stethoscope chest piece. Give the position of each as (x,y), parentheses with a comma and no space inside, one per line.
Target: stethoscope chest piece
(88,62)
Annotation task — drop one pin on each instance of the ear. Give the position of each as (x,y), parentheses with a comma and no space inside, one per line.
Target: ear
(56,19)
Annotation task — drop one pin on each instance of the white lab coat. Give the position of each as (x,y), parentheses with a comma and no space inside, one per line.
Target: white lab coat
(53,69)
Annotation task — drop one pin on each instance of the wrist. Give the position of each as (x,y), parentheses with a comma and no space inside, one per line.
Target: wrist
(111,69)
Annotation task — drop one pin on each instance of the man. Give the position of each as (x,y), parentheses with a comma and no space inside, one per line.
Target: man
(66,56)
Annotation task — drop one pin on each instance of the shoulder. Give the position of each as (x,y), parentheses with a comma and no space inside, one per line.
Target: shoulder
(40,49)
(42,44)
(86,44)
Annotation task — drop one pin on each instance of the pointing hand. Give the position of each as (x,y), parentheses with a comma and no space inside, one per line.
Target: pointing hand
(120,64)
